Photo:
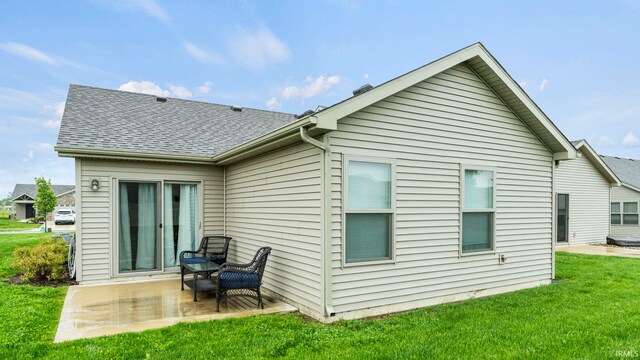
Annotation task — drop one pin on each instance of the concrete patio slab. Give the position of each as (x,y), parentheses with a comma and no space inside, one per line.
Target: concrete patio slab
(600,250)
(97,310)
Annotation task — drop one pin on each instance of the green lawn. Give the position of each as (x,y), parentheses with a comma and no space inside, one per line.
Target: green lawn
(7,224)
(592,312)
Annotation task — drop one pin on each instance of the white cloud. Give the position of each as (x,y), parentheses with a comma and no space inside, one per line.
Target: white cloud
(202,55)
(151,88)
(366,76)
(204,88)
(273,103)
(543,84)
(144,87)
(605,141)
(42,147)
(630,140)
(256,49)
(523,83)
(38,148)
(311,87)
(152,8)
(180,92)
(149,7)
(57,108)
(52,124)
(27,52)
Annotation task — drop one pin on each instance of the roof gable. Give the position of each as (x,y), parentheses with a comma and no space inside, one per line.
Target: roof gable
(488,69)
(587,151)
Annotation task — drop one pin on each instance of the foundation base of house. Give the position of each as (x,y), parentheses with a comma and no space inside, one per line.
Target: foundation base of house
(396,308)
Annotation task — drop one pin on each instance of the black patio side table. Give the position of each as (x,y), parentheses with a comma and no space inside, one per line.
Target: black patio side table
(201,280)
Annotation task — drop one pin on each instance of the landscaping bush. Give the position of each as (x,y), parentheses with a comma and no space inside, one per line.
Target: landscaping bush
(46,261)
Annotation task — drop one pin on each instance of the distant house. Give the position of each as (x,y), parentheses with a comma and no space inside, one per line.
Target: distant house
(625,200)
(433,187)
(583,188)
(23,198)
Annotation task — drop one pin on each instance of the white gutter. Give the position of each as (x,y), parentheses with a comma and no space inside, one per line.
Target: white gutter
(325,254)
(128,155)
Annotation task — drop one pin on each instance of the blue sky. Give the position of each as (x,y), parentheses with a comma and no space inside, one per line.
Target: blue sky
(577,60)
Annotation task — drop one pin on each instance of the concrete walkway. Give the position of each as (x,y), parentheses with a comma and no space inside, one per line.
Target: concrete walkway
(97,310)
(600,250)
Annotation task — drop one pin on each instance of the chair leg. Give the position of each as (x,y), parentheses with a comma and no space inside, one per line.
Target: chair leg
(218,294)
(181,278)
(260,302)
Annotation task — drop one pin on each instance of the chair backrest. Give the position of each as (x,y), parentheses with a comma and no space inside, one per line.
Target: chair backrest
(259,261)
(216,245)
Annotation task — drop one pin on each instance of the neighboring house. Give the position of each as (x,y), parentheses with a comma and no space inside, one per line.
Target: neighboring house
(583,188)
(24,195)
(626,198)
(433,187)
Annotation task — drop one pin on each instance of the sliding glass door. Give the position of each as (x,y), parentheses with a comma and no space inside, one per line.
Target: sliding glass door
(156,221)
(180,221)
(138,227)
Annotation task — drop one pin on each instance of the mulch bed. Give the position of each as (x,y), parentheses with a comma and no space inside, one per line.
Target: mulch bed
(17,280)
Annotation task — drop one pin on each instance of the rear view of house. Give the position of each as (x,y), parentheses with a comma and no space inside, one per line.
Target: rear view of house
(583,190)
(436,186)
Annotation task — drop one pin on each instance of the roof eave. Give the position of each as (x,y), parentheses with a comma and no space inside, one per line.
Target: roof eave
(129,155)
(630,187)
(597,162)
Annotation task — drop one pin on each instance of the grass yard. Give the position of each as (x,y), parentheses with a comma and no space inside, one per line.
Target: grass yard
(591,313)
(7,224)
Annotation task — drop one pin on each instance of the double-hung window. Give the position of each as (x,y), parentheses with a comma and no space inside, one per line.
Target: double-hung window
(369,209)
(629,213)
(478,209)
(616,214)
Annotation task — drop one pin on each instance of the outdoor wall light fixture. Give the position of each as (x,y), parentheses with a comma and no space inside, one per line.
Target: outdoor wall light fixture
(95,184)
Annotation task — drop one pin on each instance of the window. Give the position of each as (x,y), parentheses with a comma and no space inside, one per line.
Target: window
(478,209)
(369,210)
(616,217)
(630,213)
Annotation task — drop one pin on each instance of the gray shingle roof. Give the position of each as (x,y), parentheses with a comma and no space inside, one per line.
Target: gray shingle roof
(103,119)
(627,170)
(576,142)
(30,190)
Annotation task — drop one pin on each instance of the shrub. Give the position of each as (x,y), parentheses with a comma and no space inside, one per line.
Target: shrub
(46,261)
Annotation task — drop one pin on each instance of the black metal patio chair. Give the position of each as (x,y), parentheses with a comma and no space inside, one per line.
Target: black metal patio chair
(242,279)
(212,248)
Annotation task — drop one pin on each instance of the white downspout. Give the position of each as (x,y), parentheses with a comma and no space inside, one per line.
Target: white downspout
(325,254)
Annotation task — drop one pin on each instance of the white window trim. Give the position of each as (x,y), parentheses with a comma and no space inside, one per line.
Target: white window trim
(346,209)
(494,170)
(114,251)
(622,213)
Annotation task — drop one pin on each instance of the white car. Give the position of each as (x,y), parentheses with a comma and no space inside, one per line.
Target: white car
(65,217)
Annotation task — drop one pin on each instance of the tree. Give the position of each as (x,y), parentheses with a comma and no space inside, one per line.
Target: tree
(45,201)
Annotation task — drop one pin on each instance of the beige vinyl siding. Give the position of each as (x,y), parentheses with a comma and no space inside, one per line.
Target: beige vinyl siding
(96,207)
(624,194)
(588,200)
(275,200)
(431,129)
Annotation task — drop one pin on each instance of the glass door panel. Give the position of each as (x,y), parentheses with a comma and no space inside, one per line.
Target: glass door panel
(138,207)
(180,221)
(562,226)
